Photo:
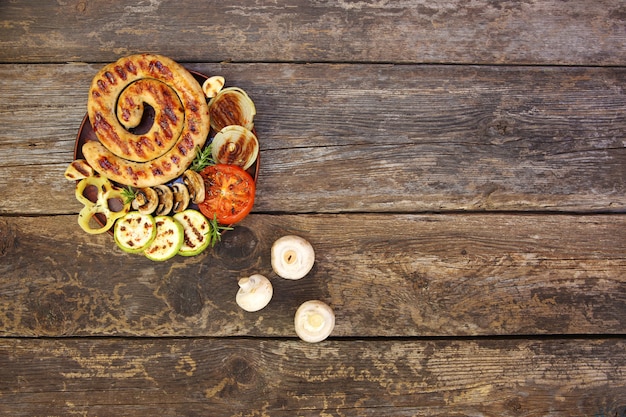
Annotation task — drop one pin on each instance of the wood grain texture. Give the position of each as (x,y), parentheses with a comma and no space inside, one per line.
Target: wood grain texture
(393,275)
(575,32)
(245,377)
(459,167)
(368,138)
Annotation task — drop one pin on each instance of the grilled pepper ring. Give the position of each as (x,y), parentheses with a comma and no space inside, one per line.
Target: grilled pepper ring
(100,199)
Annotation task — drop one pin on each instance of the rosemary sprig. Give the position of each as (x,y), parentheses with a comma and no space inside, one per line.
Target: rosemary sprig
(216,231)
(129,194)
(203,159)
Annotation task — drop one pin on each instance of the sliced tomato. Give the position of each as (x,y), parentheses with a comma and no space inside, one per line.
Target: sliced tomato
(229,193)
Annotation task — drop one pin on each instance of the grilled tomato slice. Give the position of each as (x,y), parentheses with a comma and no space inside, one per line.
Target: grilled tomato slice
(229,193)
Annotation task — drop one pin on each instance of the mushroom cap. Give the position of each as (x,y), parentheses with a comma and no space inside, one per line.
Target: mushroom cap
(255,292)
(314,321)
(146,200)
(166,200)
(292,257)
(181,197)
(212,85)
(195,186)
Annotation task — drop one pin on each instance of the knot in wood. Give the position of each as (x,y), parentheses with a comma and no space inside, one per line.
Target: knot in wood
(242,371)
(237,246)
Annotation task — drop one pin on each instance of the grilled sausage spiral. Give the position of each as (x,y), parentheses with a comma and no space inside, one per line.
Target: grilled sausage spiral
(116,104)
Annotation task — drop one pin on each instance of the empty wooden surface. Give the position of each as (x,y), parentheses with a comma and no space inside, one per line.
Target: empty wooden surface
(575,32)
(255,377)
(459,167)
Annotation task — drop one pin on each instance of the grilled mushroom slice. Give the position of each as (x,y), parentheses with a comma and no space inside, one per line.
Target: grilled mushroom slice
(146,200)
(78,169)
(181,197)
(166,200)
(195,185)
(212,86)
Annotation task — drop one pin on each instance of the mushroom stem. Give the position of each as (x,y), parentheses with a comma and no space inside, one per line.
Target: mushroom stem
(255,292)
(314,321)
(246,284)
(292,257)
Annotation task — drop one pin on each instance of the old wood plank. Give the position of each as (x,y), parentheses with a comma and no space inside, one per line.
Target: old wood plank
(575,32)
(385,275)
(353,138)
(252,377)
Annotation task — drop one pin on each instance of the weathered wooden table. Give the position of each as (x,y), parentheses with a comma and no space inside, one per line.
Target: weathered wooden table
(459,167)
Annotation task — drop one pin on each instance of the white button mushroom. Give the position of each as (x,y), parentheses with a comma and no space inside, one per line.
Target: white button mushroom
(314,321)
(292,257)
(255,292)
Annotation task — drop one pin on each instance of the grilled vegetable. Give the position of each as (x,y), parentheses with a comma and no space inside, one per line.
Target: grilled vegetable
(166,200)
(134,232)
(104,204)
(229,193)
(212,86)
(197,232)
(168,241)
(146,200)
(195,186)
(181,197)
(78,169)
(231,106)
(235,145)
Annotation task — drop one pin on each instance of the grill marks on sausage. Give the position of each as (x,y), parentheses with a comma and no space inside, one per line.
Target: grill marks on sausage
(157,172)
(121,72)
(142,144)
(186,145)
(132,174)
(136,145)
(192,126)
(108,166)
(167,118)
(130,67)
(162,70)
(161,129)
(102,127)
(110,77)
(102,86)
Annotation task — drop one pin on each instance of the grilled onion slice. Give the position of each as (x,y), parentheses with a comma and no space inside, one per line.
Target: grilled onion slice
(235,145)
(231,106)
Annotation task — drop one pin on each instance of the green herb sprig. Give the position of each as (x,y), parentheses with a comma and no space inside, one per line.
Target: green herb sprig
(203,159)
(129,194)
(216,231)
